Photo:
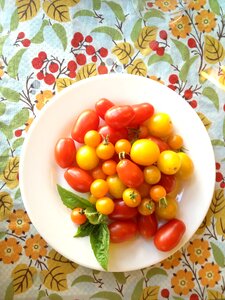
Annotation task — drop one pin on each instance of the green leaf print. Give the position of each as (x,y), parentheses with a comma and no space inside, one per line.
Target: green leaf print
(2,41)
(41,294)
(183,49)
(9,293)
(155,271)
(153,13)
(4,158)
(82,278)
(107,296)
(17,194)
(96,4)
(218,142)
(117,9)
(211,94)
(136,30)
(39,37)
(14,62)
(156,58)
(18,142)
(10,94)
(112,32)
(214,5)
(186,67)
(6,130)
(120,277)
(84,13)
(19,119)
(2,108)
(14,22)
(61,33)
(55,297)
(218,255)
(1,28)
(2,4)
(136,294)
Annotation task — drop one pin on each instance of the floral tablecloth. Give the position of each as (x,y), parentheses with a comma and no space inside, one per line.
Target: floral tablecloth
(48,45)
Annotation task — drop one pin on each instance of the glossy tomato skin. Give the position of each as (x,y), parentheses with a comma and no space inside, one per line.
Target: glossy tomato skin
(122,211)
(119,116)
(147,225)
(161,144)
(142,111)
(113,134)
(129,173)
(169,235)
(102,106)
(121,231)
(87,120)
(168,182)
(78,179)
(65,152)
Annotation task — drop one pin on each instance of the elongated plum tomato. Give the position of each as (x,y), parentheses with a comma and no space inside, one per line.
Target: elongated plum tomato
(169,235)
(78,179)
(147,225)
(122,211)
(65,152)
(129,173)
(87,120)
(119,116)
(168,182)
(142,111)
(113,134)
(102,106)
(121,231)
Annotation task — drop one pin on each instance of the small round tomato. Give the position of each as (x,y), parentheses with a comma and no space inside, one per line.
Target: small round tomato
(92,138)
(152,174)
(78,216)
(168,182)
(109,167)
(144,189)
(78,179)
(123,145)
(116,186)
(175,142)
(131,197)
(87,158)
(119,116)
(169,162)
(65,152)
(121,231)
(112,134)
(157,192)
(144,152)
(97,173)
(169,235)
(146,207)
(105,150)
(142,111)
(161,144)
(160,125)
(130,174)
(147,225)
(122,211)
(99,188)
(105,205)
(186,168)
(102,106)
(92,199)
(167,208)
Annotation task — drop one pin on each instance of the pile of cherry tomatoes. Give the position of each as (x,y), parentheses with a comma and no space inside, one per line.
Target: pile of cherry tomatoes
(131,162)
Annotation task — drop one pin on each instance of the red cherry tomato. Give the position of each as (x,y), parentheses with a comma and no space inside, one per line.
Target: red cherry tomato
(168,182)
(122,211)
(143,111)
(113,134)
(87,120)
(102,106)
(119,116)
(169,235)
(65,152)
(78,179)
(161,144)
(129,173)
(121,231)
(78,216)
(147,225)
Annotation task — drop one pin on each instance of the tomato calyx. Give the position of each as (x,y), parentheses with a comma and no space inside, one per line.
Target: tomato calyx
(122,155)
(105,140)
(163,202)
(133,196)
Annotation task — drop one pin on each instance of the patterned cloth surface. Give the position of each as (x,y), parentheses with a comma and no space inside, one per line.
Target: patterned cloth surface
(46,46)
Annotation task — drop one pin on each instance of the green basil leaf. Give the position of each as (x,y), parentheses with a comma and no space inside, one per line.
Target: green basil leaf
(94,217)
(72,200)
(99,239)
(84,229)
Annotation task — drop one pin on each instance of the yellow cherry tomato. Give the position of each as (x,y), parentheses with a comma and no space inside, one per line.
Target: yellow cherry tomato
(105,150)
(92,199)
(131,197)
(152,174)
(175,142)
(105,205)
(123,145)
(146,207)
(160,125)
(167,209)
(92,138)
(144,152)
(157,192)
(169,162)
(99,188)
(87,158)
(186,168)
(116,186)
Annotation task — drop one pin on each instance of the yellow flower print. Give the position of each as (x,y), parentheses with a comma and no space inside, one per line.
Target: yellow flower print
(19,222)
(182,282)
(205,21)
(158,79)
(198,251)
(166,5)
(180,26)
(196,4)
(209,275)
(28,123)
(42,98)
(10,250)
(172,261)
(35,247)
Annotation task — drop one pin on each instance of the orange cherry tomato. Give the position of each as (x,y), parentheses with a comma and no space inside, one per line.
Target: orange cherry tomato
(123,145)
(109,167)
(146,207)
(105,205)
(78,216)
(157,192)
(105,150)
(99,188)
(92,138)
(97,173)
(175,142)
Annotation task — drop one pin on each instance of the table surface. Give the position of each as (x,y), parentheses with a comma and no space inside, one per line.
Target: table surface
(187,55)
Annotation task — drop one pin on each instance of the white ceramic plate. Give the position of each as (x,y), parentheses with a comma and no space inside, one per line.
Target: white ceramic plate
(39,173)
